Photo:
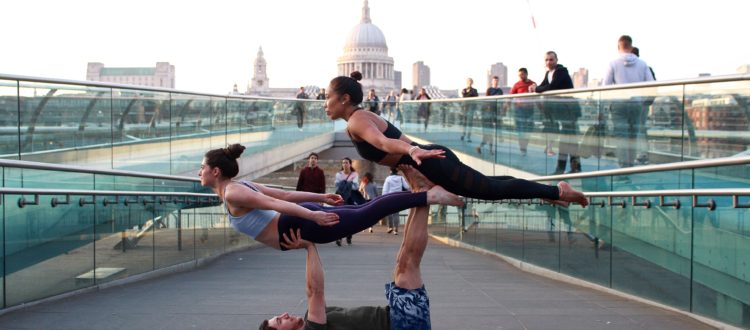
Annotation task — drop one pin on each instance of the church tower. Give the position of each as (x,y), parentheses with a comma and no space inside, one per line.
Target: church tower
(259,84)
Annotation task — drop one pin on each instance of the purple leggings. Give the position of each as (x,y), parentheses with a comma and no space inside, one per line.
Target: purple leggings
(352,218)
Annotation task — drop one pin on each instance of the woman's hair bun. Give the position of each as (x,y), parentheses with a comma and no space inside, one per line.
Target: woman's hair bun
(356,75)
(234,150)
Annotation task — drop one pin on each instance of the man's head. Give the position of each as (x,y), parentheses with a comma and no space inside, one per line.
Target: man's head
(312,159)
(523,74)
(302,89)
(283,322)
(625,44)
(550,60)
(469,82)
(323,91)
(636,52)
(371,93)
(495,81)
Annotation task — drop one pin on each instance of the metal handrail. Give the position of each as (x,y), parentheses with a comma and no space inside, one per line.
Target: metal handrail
(634,196)
(40,191)
(672,193)
(693,164)
(4,76)
(79,169)
(701,80)
(661,83)
(172,197)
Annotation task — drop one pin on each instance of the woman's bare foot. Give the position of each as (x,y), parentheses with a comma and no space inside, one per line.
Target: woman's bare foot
(417,181)
(438,195)
(570,195)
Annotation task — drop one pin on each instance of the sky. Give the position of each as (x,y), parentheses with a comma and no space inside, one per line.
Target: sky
(213,43)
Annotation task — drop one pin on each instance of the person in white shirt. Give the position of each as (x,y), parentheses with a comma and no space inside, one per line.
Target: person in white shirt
(627,113)
(394,183)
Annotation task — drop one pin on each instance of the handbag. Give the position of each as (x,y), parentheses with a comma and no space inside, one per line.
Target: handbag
(403,188)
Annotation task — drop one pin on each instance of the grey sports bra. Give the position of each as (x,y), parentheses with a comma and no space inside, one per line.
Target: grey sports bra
(251,223)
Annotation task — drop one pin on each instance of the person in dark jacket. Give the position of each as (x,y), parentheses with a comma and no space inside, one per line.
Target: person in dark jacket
(560,114)
(311,178)
(469,108)
(490,117)
(424,108)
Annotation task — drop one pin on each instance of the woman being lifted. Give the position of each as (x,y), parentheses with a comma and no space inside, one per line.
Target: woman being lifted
(379,141)
(265,214)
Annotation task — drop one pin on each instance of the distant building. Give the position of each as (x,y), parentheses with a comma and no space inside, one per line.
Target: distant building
(162,75)
(501,71)
(420,75)
(705,74)
(745,68)
(397,81)
(581,78)
(260,86)
(366,51)
(720,123)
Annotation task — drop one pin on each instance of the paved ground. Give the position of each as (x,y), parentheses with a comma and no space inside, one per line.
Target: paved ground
(467,290)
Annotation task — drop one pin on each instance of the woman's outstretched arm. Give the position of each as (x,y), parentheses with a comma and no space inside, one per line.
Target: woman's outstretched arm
(300,196)
(241,196)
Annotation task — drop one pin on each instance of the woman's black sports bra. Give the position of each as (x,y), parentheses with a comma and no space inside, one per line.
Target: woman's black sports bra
(368,151)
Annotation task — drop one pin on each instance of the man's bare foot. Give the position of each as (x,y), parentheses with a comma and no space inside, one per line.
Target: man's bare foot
(417,181)
(438,195)
(568,194)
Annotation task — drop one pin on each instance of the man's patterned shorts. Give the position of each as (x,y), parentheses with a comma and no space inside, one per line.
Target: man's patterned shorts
(409,309)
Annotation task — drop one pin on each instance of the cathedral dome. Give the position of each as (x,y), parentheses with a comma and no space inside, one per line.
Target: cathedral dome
(365,34)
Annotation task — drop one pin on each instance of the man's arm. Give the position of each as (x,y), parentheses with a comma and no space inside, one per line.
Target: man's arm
(316,302)
(314,276)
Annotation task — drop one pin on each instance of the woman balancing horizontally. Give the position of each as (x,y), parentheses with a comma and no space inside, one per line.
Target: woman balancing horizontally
(265,213)
(379,141)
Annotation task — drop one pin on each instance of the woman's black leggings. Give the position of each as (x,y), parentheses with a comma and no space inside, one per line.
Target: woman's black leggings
(352,218)
(460,179)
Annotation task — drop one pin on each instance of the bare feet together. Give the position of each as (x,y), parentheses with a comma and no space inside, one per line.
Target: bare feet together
(417,181)
(570,195)
(438,195)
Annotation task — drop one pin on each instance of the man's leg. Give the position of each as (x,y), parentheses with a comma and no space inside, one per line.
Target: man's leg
(407,297)
(407,274)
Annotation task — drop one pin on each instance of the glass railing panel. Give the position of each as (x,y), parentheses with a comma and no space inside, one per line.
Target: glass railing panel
(654,241)
(9,119)
(141,130)
(542,235)
(48,249)
(316,117)
(510,239)
(643,126)
(249,115)
(170,236)
(552,128)
(210,231)
(721,261)
(585,252)
(125,234)
(191,131)
(4,202)
(57,117)
(438,219)
(256,123)
(484,223)
(717,119)
(218,122)
(121,238)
